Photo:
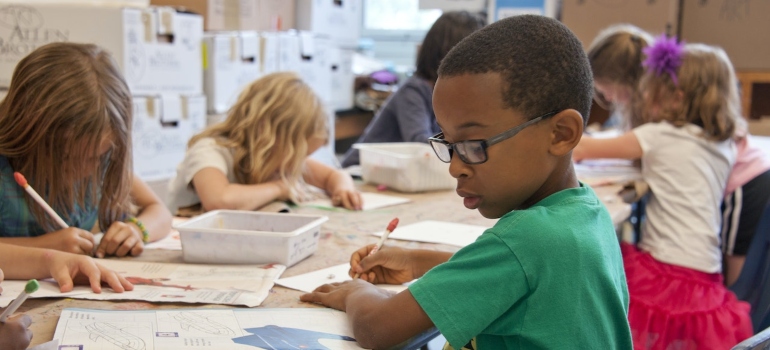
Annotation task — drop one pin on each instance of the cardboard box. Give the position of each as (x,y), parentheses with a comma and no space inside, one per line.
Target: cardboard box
(232,62)
(217,14)
(289,51)
(338,20)
(269,49)
(314,64)
(741,28)
(587,18)
(222,15)
(342,78)
(268,15)
(249,237)
(163,124)
(157,49)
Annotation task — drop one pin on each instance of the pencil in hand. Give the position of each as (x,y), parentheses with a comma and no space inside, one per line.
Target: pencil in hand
(31,287)
(391,226)
(22,181)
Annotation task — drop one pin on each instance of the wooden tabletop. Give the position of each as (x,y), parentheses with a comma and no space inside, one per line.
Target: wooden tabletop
(344,233)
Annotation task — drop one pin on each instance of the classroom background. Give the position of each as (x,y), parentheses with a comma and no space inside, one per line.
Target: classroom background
(185,61)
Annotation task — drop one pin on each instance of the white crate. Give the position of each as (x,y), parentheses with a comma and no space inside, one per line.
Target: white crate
(249,237)
(404,166)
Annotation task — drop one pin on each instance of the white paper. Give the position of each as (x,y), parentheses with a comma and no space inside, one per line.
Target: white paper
(51,345)
(430,231)
(339,273)
(371,201)
(171,329)
(157,282)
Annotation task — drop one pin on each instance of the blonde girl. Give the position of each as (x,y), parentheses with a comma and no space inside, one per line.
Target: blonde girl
(259,154)
(616,58)
(65,125)
(691,109)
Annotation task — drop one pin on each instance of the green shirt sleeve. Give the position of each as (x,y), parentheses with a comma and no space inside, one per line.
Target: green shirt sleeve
(463,296)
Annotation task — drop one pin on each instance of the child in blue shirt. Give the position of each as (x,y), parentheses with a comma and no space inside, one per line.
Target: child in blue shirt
(66,126)
(510,100)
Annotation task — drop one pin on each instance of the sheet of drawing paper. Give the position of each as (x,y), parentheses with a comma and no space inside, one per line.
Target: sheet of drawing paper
(371,201)
(310,281)
(158,282)
(172,329)
(437,232)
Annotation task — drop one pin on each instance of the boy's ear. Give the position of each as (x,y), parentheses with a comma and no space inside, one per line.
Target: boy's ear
(566,131)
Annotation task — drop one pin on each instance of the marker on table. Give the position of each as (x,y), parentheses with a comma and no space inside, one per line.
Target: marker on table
(391,226)
(22,181)
(31,287)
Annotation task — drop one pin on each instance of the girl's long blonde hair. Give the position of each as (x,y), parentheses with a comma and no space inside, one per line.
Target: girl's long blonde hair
(616,57)
(707,91)
(64,101)
(268,129)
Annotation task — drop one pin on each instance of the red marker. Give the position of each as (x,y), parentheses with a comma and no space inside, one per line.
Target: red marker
(22,181)
(391,226)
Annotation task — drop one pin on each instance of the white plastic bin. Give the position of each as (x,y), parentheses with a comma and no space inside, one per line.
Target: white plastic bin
(404,166)
(249,237)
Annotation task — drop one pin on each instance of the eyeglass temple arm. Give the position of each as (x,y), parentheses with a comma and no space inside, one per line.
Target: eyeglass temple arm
(508,134)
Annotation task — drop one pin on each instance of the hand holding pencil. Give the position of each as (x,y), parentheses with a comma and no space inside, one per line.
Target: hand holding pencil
(377,264)
(68,239)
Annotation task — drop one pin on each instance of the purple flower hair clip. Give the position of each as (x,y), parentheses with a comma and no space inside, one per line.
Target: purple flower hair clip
(664,56)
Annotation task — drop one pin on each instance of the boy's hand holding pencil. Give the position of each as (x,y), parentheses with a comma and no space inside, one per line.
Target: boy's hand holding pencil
(391,265)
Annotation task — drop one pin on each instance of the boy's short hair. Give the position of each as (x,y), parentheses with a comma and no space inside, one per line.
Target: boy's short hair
(541,61)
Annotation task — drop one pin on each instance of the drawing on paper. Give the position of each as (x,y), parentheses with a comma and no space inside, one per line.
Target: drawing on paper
(273,337)
(114,335)
(193,320)
(156,282)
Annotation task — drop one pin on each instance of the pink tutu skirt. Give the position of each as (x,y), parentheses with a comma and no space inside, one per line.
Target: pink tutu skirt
(673,307)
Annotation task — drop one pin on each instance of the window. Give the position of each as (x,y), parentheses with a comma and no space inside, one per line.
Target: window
(396,20)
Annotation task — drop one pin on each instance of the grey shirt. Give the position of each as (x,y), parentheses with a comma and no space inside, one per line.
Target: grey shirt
(407,116)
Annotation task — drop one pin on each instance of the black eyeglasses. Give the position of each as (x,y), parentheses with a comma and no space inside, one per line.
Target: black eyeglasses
(475,151)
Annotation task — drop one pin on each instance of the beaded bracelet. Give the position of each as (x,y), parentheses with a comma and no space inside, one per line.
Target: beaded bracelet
(140,225)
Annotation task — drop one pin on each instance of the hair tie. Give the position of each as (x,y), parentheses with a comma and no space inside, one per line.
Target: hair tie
(664,56)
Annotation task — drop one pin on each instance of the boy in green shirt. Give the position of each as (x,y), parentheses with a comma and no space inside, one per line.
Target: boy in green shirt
(510,100)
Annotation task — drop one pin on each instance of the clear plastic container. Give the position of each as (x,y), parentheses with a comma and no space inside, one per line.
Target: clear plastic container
(249,237)
(404,166)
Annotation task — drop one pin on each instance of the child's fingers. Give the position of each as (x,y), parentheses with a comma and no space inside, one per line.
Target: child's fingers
(125,283)
(127,245)
(91,270)
(112,280)
(63,277)
(115,236)
(311,298)
(23,319)
(355,258)
(358,201)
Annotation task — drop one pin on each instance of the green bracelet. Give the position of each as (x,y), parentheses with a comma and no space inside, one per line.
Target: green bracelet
(140,225)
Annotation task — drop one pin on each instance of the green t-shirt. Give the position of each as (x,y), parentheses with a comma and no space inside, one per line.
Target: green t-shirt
(547,277)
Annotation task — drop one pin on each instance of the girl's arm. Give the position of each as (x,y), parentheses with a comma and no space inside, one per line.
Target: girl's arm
(625,146)
(153,214)
(21,263)
(337,183)
(216,192)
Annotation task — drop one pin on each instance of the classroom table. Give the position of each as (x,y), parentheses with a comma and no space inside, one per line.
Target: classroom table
(345,232)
